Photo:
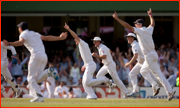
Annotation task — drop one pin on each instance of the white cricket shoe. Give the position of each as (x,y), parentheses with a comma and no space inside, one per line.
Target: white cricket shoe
(2,89)
(111,87)
(37,99)
(18,93)
(133,94)
(90,98)
(171,96)
(156,90)
(52,73)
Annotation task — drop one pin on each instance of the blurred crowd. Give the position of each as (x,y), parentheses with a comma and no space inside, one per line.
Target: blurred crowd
(68,62)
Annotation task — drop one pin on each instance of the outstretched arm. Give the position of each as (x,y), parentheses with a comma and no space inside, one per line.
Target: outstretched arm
(151,18)
(20,42)
(123,23)
(72,32)
(62,36)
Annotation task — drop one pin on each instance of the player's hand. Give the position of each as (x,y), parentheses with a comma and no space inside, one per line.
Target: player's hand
(149,12)
(83,68)
(94,54)
(66,27)
(63,35)
(14,59)
(115,15)
(5,43)
(127,65)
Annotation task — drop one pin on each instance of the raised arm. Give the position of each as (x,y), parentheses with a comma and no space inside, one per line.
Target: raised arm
(123,23)
(62,36)
(151,18)
(72,32)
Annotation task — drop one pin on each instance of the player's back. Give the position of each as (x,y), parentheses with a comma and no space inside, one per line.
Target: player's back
(33,41)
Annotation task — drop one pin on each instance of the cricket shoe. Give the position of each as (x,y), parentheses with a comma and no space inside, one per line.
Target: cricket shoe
(111,87)
(156,90)
(52,73)
(90,98)
(2,89)
(133,95)
(18,93)
(38,98)
(171,96)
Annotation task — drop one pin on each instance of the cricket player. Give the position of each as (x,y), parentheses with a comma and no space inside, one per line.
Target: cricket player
(89,66)
(138,55)
(4,68)
(50,83)
(146,44)
(38,59)
(109,65)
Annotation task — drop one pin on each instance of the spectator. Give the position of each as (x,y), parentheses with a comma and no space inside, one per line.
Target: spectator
(61,91)
(73,93)
(164,71)
(17,68)
(70,81)
(70,45)
(74,71)
(25,73)
(172,79)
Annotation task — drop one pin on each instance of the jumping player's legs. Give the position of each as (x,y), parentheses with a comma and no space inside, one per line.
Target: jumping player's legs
(42,74)
(133,76)
(87,77)
(50,89)
(112,71)
(154,67)
(5,72)
(35,64)
(101,74)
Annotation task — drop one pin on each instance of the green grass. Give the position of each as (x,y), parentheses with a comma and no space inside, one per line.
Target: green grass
(82,102)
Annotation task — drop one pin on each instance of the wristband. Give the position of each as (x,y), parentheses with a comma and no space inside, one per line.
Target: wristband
(150,15)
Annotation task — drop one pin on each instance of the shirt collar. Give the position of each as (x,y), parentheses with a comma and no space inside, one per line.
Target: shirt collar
(100,46)
(133,42)
(25,30)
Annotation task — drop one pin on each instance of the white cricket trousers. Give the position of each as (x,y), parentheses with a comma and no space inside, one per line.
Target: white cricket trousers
(151,63)
(36,73)
(7,75)
(111,69)
(147,75)
(51,88)
(88,79)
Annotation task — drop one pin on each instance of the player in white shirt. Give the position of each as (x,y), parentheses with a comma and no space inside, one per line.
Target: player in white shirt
(146,43)
(89,66)
(38,60)
(109,65)
(4,68)
(138,55)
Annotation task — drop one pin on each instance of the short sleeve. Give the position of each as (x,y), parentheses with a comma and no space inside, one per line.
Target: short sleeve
(103,51)
(38,34)
(135,50)
(136,30)
(22,35)
(150,29)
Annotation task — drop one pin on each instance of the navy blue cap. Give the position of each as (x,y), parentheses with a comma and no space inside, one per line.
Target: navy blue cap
(23,25)
(141,21)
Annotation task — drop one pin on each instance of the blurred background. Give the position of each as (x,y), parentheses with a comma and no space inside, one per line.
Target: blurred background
(90,19)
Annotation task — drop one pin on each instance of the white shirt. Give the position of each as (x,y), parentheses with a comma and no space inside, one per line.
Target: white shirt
(136,49)
(104,50)
(60,89)
(32,42)
(144,36)
(85,52)
(4,51)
